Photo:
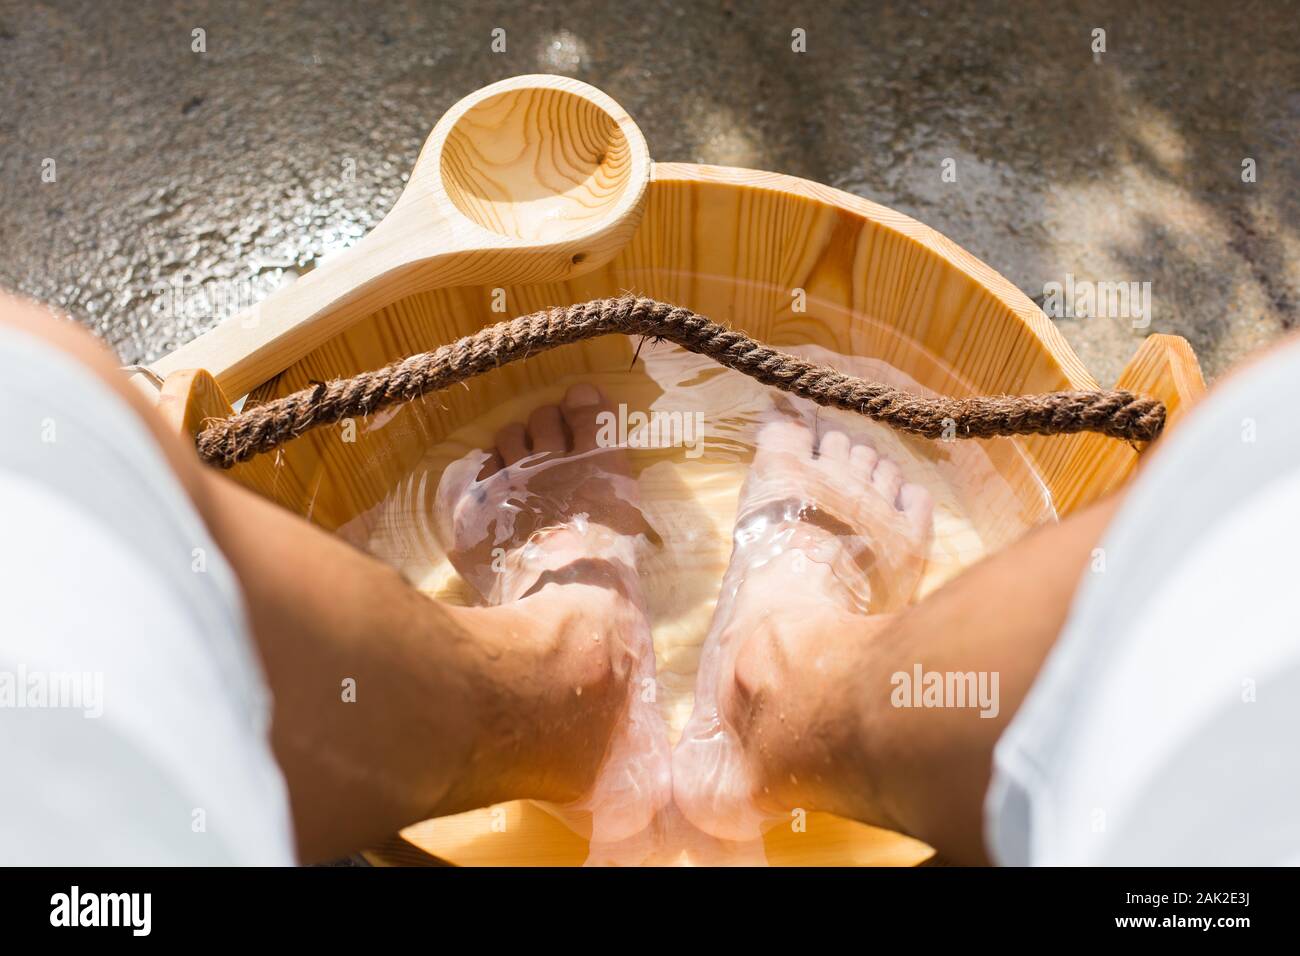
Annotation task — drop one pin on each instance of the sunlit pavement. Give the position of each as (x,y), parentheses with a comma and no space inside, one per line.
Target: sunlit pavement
(290,132)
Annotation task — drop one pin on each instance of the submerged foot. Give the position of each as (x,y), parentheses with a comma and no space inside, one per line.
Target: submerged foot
(546,503)
(826,532)
(549,520)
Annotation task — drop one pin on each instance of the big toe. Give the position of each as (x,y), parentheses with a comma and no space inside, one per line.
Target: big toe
(887,479)
(835,448)
(918,507)
(782,439)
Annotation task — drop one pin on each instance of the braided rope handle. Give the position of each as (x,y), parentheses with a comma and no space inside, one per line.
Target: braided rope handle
(1116,413)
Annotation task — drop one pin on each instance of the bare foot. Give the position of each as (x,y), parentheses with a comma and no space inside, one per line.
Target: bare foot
(822,538)
(549,523)
(544,499)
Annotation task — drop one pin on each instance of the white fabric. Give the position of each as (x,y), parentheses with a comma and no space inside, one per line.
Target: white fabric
(156,752)
(1162,728)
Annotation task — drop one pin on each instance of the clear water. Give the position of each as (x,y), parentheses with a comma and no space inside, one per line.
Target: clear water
(691,428)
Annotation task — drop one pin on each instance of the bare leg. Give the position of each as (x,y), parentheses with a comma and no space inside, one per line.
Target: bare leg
(826,532)
(801,715)
(545,507)
(456,708)
(930,768)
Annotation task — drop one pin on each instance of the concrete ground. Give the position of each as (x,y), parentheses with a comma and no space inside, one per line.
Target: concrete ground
(174,166)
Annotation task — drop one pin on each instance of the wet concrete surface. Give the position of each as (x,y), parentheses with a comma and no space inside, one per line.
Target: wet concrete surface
(291,135)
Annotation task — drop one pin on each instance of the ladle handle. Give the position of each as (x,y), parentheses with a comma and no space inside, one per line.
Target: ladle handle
(257,343)
(526,139)
(260,342)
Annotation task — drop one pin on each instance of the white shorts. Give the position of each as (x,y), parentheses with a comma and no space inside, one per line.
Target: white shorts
(133,715)
(1162,728)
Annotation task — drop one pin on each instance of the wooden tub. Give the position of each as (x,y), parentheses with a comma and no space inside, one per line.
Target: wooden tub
(791,263)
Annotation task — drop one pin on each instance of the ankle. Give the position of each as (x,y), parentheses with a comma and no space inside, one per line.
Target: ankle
(839,766)
(791,586)
(534,664)
(572,553)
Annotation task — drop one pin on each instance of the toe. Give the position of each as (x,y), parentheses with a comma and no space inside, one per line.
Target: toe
(512,443)
(862,461)
(887,479)
(835,447)
(782,438)
(546,430)
(918,506)
(581,408)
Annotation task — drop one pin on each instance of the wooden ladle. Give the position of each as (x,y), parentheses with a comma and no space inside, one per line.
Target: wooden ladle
(532,179)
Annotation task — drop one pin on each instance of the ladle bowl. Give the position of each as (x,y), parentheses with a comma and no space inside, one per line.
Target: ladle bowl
(535,178)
